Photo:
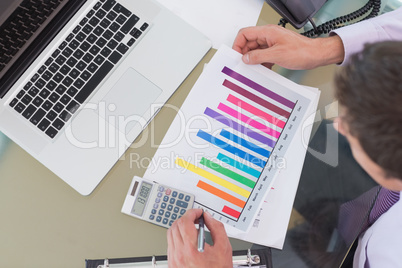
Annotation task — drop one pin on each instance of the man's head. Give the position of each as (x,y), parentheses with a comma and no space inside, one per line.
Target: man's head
(369,91)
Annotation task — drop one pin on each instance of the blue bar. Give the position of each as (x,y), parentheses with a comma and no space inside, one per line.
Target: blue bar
(231,149)
(243,167)
(230,136)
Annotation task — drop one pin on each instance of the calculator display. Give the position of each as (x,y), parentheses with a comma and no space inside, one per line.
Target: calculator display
(142,198)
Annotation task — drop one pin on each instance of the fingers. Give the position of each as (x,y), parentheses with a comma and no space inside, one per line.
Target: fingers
(192,215)
(175,239)
(255,43)
(182,243)
(182,236)
(217,230)
(171,245)
(183,230)
(170,239)
(248,38)
(179,231)
(259,56)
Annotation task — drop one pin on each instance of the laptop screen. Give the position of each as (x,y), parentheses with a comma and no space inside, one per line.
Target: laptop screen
(24,33)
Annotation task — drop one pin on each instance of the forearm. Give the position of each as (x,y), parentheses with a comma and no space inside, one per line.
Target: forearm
(328,50)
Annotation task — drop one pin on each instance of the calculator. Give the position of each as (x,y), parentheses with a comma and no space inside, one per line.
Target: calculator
(156,203)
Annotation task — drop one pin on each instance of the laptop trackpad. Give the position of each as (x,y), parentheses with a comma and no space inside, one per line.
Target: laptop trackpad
(129,99)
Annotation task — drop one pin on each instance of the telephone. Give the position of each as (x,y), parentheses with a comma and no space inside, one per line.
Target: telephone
(299,12)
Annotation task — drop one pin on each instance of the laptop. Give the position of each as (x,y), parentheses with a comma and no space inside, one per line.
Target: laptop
(80,80)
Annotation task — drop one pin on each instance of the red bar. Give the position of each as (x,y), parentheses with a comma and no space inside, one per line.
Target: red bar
(231,212)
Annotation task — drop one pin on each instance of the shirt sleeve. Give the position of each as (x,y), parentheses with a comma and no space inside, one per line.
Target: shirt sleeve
(385,27)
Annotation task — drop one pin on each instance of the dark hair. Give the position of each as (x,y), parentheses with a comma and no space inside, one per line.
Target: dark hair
(370,90)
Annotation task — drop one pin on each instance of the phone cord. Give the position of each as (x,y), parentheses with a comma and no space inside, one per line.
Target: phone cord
(339,22)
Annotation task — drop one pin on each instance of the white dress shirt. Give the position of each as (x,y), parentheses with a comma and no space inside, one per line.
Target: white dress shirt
(381,245)
(388,26)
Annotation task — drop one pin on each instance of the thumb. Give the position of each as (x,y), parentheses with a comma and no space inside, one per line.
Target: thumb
(258,56)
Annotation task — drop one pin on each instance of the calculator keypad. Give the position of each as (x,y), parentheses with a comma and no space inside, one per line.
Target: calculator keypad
(169,205)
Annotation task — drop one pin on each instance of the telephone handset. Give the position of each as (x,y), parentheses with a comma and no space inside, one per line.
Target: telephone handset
(299,12)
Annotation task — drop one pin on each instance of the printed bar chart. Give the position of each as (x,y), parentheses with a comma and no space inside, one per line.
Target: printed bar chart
(261,128)
(221,194)
(231,149)
(256,99)
(231,212)
(213,178)
(247,120)
(244,105)
(241,124)
(238,127)
(259,88)
(227,172)
(238,165)
(242,142)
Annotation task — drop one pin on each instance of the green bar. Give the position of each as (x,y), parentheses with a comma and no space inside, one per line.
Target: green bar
(227,172)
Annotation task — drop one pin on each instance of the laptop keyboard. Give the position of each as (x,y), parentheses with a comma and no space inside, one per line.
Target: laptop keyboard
(21,25)
(78,65)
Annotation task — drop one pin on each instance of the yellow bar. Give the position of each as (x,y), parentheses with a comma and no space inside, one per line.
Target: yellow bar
(197,170)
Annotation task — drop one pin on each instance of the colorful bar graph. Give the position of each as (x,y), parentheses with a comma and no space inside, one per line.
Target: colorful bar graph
(227,172)
(240,166)
(212,177)
(258,87)
(251,146)
(246,131)
(256,99)
(260,118)
(247,120)
(231,149)
(221,194)
(255,111)
(231,212)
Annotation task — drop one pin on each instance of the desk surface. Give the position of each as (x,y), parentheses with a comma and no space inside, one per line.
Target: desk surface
(44,222)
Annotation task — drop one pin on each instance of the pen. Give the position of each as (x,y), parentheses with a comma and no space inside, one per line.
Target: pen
(201,233)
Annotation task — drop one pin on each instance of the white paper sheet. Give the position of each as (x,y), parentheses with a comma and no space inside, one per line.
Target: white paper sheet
(182,141)
(219,20)
(273,218)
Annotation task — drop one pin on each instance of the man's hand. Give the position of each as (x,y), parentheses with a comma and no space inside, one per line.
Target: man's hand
(272,44)
(182,243)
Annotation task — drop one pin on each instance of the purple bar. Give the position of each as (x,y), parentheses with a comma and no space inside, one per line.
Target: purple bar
(255,98)
(258,87)
(236,126)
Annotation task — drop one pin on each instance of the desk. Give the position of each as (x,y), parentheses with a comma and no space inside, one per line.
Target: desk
(45,223)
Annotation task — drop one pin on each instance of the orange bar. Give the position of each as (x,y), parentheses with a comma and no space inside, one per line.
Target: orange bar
(225,196)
